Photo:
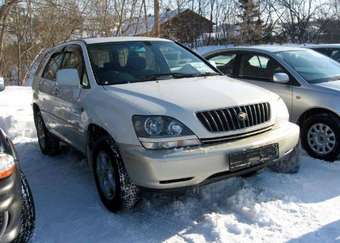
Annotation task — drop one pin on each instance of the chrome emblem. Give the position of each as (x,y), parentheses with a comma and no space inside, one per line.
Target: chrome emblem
(242,116)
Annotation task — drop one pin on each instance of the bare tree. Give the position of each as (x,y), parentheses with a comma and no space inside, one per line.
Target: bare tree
(4,11)
(157,24)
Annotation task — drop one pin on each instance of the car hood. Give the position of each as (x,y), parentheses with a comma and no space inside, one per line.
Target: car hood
(334,85)
(193,94)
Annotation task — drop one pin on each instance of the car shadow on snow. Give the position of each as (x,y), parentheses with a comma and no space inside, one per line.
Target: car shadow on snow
(66,201)
(327,233)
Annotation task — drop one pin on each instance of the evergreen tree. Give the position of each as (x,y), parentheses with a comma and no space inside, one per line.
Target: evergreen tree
(251,23)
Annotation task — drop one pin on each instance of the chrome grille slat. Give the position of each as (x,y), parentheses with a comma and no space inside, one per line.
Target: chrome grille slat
(250,115)
(224,120)
(205,121)
(213,121)
(263,111)
(229,119)
(219,121)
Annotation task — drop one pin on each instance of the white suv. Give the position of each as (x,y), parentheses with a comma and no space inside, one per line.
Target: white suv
(149,113)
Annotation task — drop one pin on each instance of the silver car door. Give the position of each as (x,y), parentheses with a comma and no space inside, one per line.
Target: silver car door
(259,69)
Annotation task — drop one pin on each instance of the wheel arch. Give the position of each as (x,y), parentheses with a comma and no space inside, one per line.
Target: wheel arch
(94,132)
(314,111)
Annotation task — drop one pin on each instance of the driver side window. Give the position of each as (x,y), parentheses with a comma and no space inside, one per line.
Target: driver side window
(225,62)
(74,59)
(258,67)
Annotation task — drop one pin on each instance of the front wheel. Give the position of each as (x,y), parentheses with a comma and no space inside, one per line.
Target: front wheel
(27,213)
(321,136)
(114,186)
(48,143)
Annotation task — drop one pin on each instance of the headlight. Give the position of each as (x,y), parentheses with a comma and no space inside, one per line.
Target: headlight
(7,165)
(281,110)
(163,132)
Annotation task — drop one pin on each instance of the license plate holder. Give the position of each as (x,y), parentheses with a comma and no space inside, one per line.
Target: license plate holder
(248,158)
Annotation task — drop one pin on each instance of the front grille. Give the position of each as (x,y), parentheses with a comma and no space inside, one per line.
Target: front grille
(234,118)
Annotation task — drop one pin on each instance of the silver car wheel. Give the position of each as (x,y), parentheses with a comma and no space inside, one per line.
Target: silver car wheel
(105,174)
(321,138)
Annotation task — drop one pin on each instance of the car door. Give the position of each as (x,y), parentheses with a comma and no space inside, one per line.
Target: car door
(258,69)
(48,91)
(71,110)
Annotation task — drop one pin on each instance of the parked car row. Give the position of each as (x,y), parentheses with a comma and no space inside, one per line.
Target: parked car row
(17,213)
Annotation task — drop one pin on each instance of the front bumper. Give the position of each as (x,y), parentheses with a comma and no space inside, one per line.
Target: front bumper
(10,207)
(166,169)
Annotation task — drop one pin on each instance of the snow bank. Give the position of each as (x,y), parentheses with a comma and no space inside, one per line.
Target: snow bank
(266,208)
(16,112)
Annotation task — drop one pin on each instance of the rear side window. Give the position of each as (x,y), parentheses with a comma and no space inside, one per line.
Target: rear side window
(38,62)
(225,62)
(73,58)
(258,67)
(53,66)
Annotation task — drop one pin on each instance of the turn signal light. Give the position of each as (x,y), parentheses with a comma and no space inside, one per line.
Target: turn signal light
(7,165)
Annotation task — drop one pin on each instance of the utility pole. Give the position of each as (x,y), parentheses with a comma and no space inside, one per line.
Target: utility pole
(157,24)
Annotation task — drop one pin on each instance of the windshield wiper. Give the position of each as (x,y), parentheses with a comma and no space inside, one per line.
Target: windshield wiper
(159,76)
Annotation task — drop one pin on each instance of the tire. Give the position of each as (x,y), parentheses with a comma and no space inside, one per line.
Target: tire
(326,145)
(118,193)
(27,213)
(290,164)
(48,143)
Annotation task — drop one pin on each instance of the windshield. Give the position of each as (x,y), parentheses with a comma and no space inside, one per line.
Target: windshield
(138,61)
(312,66)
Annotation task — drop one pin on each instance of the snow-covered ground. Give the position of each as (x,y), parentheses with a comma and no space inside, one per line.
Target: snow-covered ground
(266,208)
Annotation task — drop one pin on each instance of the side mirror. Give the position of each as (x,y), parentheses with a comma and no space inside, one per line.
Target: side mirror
(2,84)
(68,77)
(281,78)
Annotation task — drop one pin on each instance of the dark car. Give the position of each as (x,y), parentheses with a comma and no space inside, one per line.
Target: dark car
(17,214)
(330,50)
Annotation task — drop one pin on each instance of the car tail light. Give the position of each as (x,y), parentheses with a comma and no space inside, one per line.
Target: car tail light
(7,165)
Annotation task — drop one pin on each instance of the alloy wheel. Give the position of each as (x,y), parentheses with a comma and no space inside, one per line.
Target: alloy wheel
(105,175)
(321,138)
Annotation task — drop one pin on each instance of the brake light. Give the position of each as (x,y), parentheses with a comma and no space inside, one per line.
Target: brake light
(7,165)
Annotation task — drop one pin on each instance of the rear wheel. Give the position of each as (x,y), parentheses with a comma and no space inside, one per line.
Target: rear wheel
(48,143)
(27,213)
(114,186)
(321,136)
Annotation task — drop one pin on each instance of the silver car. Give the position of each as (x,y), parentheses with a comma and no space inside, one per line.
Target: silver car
(307,81)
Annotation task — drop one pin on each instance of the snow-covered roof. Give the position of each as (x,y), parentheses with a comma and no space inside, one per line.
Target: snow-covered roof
(138,25)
